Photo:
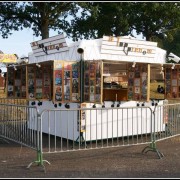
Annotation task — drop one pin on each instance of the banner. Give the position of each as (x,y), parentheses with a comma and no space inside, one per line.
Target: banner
(8,58)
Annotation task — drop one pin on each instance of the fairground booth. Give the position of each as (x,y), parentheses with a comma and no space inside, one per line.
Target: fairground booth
(107,72)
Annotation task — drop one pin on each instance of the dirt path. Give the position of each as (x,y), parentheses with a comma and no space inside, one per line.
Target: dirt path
(122,162)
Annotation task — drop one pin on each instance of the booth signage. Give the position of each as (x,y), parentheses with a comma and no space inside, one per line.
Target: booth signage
(8,58)
(50,45)
(128,46)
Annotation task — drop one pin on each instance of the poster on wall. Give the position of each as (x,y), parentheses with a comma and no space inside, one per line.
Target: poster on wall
(39,93)
(47,81)
(23,91)
(39,82)
(10,90)
(67,81)
(81,122)
(172,85)
(31,82)
(58,82)
(17,82)
(75,82)
(10,82)
(92,81)
(47,92)
(23,82)
(137,82)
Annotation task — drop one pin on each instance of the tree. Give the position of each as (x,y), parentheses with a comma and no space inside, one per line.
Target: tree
(121,18)
(40,16)
(101,18)
(172,45)
(152,19)
(91,19)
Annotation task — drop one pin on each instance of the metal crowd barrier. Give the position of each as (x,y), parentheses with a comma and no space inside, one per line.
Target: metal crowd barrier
(68,130)
(15,124)
(64,130)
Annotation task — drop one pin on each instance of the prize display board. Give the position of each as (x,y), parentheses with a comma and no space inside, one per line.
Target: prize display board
(172,82)
(39,81)
(66,81)
(10,82)
(138,82)
(29,82)
(92,81)
(16,84)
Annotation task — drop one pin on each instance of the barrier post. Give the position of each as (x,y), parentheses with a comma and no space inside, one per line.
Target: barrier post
(152,146)
(39,160)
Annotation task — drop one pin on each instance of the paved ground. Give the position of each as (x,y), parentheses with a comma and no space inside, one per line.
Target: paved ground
(121,162)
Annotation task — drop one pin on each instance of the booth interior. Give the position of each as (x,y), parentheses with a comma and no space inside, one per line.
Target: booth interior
(123,81)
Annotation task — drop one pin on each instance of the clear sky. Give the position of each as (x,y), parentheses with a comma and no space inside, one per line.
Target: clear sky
(19,42)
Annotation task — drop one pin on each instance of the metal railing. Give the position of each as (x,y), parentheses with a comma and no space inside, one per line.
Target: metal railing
(67,130)
(15,124)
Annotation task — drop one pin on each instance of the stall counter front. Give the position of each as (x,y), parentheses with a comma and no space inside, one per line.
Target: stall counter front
(98,123)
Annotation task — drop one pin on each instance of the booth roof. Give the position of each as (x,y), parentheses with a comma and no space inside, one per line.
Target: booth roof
(92,50)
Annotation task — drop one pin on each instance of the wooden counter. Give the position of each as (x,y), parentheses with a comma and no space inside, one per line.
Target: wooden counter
(110,94)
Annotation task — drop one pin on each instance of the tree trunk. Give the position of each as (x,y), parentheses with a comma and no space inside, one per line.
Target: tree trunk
(45,29)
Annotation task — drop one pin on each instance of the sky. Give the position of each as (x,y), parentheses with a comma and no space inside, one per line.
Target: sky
(19,42)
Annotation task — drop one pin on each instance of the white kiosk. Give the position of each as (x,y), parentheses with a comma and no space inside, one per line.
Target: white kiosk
(108,72)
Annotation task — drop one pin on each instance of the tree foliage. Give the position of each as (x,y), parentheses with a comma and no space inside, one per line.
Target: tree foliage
(172,45)
(153,19)
(39,16)
(101,18)
(156,21)
(92,19)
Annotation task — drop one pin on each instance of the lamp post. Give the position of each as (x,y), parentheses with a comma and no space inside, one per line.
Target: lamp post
(80,50)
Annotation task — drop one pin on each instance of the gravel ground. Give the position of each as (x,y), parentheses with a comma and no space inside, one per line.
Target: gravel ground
(119,162)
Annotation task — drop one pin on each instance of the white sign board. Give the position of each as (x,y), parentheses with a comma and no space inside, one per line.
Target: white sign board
(52,45)
(128,47)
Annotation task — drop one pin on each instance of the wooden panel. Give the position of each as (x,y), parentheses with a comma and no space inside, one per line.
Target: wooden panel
(114,94)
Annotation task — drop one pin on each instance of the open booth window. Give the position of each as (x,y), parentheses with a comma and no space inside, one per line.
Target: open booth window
(157,86)
(115,81)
